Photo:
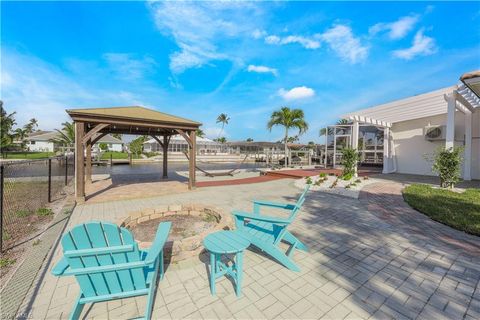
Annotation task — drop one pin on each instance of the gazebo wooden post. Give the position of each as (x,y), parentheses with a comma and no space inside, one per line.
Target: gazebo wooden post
(88,162)
(193,156)
(165,157)
(79,162)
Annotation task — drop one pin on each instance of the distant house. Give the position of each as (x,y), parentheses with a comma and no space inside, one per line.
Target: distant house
(42,141)
(178,144)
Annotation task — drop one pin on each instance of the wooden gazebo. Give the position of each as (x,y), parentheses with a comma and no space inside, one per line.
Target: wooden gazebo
(93,124)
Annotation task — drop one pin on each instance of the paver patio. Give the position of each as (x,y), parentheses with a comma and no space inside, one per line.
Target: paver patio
(372,257)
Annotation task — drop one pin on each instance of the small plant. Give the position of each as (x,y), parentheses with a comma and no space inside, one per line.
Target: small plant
(23,213)
(209,217)
(331,174)
(353,184)
(36,242)
(309,180)
(365,178)
(6,236)
(43,212)
(447,164)
(66,211)
(349,161)
(358,181)
(347,186)
(334,184)
(318,182)
(5,262)
(322,175)
(347,176)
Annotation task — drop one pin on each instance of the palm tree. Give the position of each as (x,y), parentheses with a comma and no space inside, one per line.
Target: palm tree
(31,125)
(20,135)
(288,118)
(66,136)
(199,132)
(7,121)
(223,118)
(221,140)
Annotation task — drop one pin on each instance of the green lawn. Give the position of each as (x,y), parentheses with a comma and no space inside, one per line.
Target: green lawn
(116,155)
(457,210)
(27,155)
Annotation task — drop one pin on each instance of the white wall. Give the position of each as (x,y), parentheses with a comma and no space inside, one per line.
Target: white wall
(40,146)
(476,145)
(411,146)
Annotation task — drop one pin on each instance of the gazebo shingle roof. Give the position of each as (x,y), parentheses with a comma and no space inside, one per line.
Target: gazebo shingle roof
(133,113)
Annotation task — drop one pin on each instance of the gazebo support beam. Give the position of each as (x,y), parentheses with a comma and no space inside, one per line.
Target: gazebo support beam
(79,163)
(88,162)
(192,160)
(166,141)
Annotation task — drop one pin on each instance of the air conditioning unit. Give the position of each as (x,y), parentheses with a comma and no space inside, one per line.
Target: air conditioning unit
(433,133)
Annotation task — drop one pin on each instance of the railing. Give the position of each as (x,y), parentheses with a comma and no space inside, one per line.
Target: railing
(27,186)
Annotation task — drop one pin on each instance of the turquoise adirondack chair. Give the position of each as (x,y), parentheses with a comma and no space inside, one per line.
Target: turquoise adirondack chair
(266,232)
(108,265)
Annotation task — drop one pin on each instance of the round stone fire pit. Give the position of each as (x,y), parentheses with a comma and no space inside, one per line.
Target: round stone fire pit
(190,224)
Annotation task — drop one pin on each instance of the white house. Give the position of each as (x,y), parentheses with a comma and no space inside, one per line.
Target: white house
(42,141)
(178,144)
(415,126)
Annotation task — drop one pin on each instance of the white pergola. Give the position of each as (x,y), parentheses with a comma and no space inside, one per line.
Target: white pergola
(447,100)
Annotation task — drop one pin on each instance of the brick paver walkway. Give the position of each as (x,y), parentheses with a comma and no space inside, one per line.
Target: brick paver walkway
(368,258)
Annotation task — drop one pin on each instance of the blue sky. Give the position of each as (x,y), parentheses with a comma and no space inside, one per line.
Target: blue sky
(246,59)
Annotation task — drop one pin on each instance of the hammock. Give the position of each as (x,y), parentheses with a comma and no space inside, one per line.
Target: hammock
(219,174)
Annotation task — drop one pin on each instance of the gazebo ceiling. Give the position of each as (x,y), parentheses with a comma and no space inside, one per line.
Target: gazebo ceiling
(134,119)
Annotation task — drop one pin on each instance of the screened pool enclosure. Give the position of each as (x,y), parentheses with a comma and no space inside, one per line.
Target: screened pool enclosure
(370,144)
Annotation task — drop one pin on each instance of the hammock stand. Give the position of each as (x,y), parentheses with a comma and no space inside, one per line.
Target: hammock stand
(219,174)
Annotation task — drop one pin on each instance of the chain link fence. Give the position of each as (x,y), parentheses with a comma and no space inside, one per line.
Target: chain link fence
(26,188)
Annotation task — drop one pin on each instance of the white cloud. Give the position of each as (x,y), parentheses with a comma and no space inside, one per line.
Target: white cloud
(303,41)
(257,34)
(214,132)
(126,66)
(422,46)
(34,88)
(296,93)
(262,69)
(397,29)
(341,40)
(199,28)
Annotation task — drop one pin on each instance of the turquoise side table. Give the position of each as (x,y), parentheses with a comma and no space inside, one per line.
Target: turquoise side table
(226,242)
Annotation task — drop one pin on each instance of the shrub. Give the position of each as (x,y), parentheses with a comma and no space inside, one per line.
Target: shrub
(23,213)
(447,164)
(349,161)
(309,180)
(43,212)
(347,176)
(322,175)
(5,262)
(103,146)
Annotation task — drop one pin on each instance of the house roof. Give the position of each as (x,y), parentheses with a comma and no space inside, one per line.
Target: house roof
(137,113)
(49,135)
(472,81)
(419,106)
